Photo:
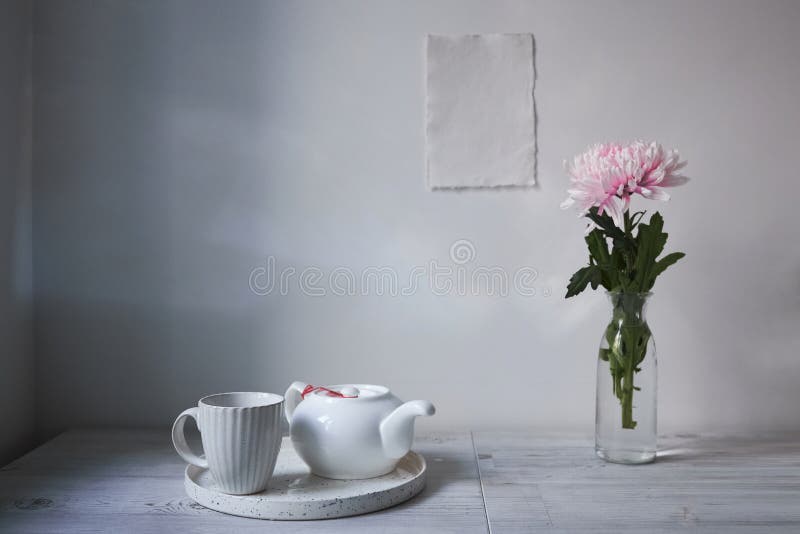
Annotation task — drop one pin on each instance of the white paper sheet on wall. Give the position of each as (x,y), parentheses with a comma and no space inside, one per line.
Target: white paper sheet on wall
(480,112)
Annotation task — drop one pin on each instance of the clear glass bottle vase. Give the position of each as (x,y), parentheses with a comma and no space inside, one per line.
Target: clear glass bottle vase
(625,423)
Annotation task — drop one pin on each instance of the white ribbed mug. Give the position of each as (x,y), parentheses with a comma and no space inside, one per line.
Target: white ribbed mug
(241,435)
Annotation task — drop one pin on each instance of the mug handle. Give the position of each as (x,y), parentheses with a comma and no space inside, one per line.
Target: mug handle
(179,439)
(293,397)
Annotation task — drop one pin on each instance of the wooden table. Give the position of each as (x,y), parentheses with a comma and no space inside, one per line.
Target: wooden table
(132,481)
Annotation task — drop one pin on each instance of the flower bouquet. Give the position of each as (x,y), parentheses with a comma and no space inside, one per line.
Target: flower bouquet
(625,258)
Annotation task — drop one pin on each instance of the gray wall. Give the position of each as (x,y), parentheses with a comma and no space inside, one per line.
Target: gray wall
(16,335)
(178,144)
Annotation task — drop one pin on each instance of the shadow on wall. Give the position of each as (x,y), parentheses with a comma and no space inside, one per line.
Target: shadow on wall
(149,184)
(139,366)
(16,335)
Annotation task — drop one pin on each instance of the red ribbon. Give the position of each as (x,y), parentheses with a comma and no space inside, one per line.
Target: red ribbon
(331,393)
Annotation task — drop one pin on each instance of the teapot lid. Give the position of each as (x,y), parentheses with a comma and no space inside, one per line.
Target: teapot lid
(345,391)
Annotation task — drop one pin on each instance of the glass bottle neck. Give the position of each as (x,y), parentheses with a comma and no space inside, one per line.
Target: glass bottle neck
(629,307)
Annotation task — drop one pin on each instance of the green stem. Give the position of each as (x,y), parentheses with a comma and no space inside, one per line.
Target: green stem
(627,253)
(627,399)
(627,336)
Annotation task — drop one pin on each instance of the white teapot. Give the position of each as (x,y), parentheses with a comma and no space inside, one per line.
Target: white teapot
(351,431)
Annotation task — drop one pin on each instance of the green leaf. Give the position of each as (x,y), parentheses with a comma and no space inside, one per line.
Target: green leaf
(618,259)
(598,248)
(636,218)
(606,223)
(597,278)
(651,242)
(607,262)
(580,280)
(632,264)
(661,266)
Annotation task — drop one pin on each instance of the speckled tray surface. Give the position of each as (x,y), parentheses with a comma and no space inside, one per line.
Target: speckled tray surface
(296,494)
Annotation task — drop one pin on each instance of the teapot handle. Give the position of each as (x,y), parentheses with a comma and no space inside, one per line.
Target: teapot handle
(293,397)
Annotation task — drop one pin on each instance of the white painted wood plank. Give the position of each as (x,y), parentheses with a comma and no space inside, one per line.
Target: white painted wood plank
(713,484)
(132,481)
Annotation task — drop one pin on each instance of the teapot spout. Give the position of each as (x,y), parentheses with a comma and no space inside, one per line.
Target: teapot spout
(397,428)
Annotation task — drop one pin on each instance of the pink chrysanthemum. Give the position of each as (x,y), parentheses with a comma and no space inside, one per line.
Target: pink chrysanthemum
(608,174)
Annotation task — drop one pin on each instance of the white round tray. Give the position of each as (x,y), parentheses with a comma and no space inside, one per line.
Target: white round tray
(296,494)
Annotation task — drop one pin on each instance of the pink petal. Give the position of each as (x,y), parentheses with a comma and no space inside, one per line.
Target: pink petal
(673,180)
(654,193)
